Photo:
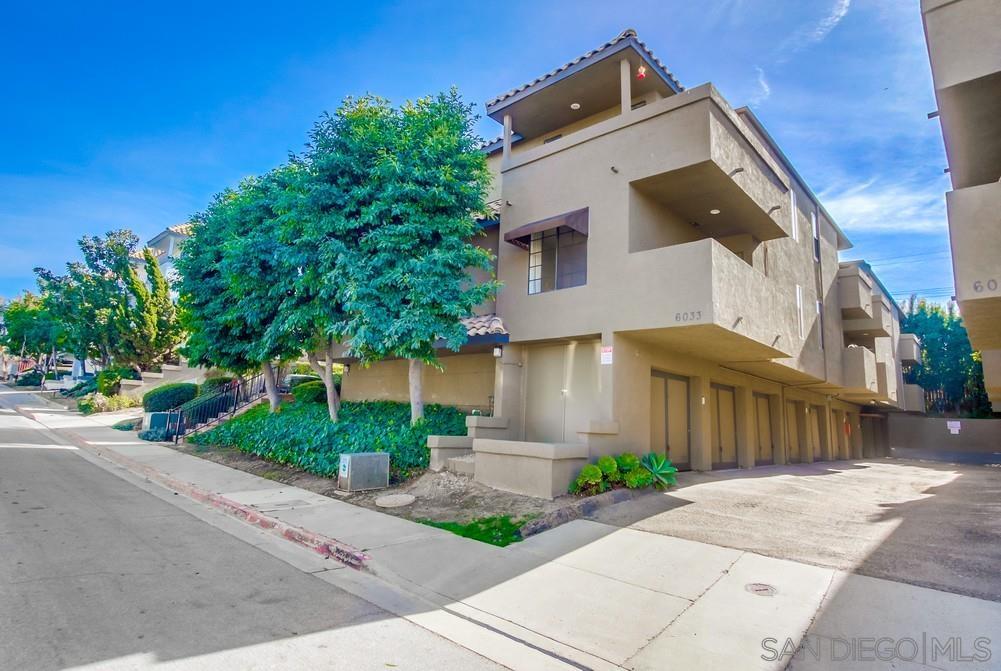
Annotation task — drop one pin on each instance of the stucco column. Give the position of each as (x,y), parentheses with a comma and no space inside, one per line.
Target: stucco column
(776,410)
(745,410)
(506,155)
(701,426)
(856,424)
(803,419)
(625,85)
(508,389)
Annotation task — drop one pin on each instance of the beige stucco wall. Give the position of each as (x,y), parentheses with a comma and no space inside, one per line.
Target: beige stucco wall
(932,433)
(467,381)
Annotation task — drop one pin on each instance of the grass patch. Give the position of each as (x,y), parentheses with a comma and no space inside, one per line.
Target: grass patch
(302,435)
(500,530)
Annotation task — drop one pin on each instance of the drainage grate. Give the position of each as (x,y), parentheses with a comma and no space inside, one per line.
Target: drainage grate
(760,588)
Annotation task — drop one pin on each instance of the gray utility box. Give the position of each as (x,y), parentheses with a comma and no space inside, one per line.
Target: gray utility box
(363,470)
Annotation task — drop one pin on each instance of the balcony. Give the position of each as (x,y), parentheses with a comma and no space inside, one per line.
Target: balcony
(690,156)
(697,298)
(859,371)
(913,398)
(909,348)
(976,248)
(880,325)
(965,57)
(854,293)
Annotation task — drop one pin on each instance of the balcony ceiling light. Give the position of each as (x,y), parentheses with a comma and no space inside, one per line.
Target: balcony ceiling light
(714,211)
(575,106)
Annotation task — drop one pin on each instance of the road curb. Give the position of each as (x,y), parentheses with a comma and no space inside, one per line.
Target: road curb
(325,546)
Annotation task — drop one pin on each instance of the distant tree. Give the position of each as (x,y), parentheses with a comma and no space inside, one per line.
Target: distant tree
(232,284)
(408,232)
(30,328)
(949,364)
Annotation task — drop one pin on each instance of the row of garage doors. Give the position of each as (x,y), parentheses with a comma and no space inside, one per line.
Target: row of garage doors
(670,430)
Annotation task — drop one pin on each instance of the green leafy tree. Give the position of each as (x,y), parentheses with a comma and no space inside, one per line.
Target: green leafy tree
(232,284)
(30,329)
(168,329)
(415,182)
(949,363)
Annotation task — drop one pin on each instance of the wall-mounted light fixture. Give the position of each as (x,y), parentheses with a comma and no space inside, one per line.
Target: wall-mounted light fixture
(498,351)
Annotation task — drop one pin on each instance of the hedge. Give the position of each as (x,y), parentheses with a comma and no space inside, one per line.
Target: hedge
(302,435)
(313,391)
(109,380)
(169,396)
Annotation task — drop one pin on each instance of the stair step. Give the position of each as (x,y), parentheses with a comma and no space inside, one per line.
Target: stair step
(462,465)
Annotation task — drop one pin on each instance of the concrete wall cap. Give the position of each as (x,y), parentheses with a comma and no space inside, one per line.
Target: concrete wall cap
(485,422)
(550,451)
(450,441)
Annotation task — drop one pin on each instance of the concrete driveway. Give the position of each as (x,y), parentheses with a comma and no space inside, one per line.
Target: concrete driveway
(929,524)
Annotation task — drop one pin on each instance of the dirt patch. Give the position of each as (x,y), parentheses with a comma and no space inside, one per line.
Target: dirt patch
(441,497)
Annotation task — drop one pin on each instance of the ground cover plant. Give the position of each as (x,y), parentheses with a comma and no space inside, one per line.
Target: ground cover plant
(624,470)
(500,530)
(98,402)
(301,434)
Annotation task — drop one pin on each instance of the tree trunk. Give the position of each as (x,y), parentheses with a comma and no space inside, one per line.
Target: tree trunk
(271,386)
(416,370)
(326,373)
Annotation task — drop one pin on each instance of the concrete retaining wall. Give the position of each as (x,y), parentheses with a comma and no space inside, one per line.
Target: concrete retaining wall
(920,434)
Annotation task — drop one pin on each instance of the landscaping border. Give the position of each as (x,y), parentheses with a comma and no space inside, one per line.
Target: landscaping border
(581,508)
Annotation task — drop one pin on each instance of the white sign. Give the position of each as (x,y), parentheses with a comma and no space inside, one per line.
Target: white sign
(953,427)
(606,356)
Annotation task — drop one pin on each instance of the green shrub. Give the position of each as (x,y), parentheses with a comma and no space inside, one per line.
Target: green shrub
(295,380)
(313,391)
(589,481)
(638,478)
(213,384)
(51,375)
(169,396)
(661,469)
(109,380)
(301,369)
(609,468)
(627,461)
(302,435)
(98,402)
(157,435)
(127,424)
(82,388)
(32,379)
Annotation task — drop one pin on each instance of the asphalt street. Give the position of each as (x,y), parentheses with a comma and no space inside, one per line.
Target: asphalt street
(95,570)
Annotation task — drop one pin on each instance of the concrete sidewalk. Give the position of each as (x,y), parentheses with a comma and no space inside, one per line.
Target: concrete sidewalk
(584,595)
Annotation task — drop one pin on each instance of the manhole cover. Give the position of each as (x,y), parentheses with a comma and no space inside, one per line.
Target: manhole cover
(394,500)
(760,588)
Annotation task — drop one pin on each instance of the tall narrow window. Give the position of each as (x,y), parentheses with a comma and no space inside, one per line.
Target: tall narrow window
(816,235)
(799,310)
(820,322)
(557,260)
(793,221)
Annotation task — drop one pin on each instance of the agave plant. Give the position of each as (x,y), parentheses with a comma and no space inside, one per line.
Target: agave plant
(661,468)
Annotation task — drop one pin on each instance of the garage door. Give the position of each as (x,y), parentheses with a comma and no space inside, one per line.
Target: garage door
(792,433)
(764,452)
(724,427)
(815,418)
(669,413)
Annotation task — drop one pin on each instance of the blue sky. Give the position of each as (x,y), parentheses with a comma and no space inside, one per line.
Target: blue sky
(125,115)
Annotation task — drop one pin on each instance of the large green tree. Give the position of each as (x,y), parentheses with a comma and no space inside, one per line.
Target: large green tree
(411,246)
(30,328)
(233,283)
(949,363)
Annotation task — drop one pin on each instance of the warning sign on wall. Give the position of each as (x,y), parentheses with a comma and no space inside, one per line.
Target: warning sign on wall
(606,356)
(953,426)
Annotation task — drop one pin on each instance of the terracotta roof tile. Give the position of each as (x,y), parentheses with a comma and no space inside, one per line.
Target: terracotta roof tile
(481,325)
(625,34)
(181,229)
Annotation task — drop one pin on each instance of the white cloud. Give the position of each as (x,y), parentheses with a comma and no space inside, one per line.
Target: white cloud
(888,208)
(764,89)
(815,33)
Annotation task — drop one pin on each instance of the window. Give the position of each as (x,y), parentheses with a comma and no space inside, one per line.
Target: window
(799,310)
(557,259)
(820,321)
(816,236)
(792,214)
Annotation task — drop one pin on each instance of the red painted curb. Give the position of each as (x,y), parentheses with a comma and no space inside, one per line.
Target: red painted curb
(323,545)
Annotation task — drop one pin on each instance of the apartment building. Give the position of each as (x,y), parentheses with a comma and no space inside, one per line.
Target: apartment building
(671,284)
(166,247)
(964,47)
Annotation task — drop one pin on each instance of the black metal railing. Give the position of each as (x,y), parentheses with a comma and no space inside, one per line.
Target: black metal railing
(205,411)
